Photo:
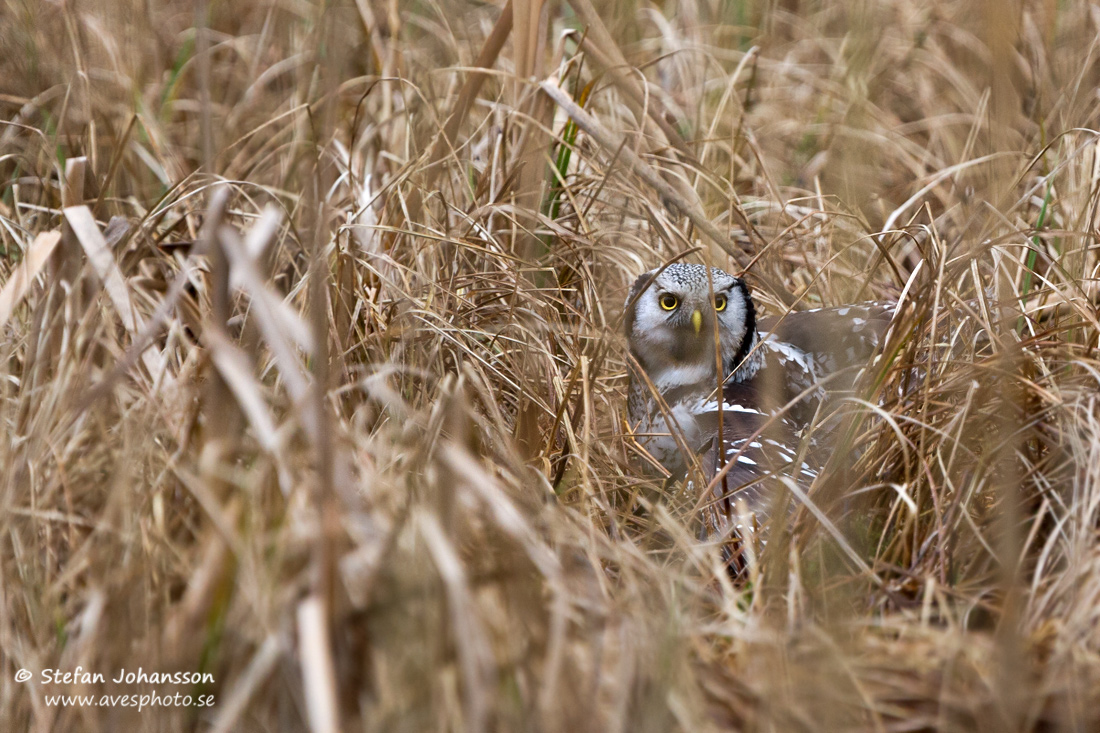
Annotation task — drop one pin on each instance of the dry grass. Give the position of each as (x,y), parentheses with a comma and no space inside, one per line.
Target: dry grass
(333,410)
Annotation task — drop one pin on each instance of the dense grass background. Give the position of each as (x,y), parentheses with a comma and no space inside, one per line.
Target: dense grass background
(333,407)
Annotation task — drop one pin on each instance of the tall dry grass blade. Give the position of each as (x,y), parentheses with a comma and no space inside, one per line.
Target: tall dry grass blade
(218,406)
(35,259)
(238,372)
(248,685)
(275,315)
(283,329)
(474,653)
(87,232)
(317,666)
(103,262)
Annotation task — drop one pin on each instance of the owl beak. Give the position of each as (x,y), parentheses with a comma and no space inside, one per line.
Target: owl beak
(697,321)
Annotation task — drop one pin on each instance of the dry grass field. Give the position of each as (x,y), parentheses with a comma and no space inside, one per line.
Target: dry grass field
(312,375)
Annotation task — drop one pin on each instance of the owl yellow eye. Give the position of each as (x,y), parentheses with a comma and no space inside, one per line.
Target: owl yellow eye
(669,301)
(719,303)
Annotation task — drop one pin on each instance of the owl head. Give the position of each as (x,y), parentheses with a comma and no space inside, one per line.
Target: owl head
(670,325)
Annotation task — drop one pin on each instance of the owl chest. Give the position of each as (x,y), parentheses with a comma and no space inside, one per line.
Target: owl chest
(665,437)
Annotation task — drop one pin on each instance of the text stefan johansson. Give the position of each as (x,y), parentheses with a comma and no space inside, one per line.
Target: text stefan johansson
(79,677)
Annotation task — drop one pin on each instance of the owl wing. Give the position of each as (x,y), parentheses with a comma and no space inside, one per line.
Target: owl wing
(757,447)
(836,338)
